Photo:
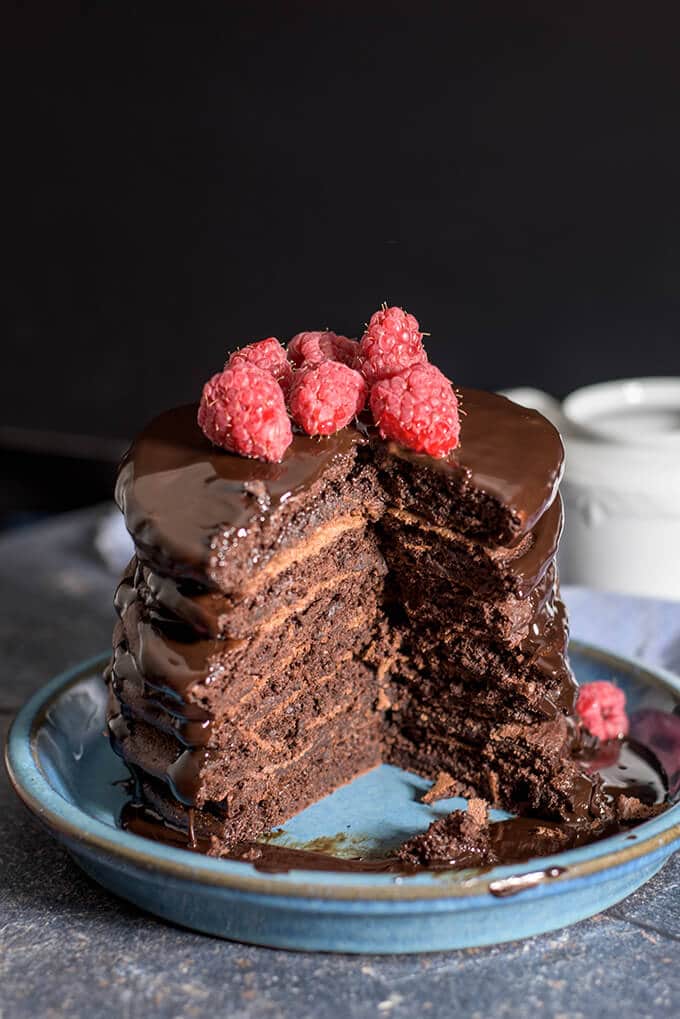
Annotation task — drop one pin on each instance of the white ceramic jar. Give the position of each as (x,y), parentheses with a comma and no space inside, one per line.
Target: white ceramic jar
(621,486)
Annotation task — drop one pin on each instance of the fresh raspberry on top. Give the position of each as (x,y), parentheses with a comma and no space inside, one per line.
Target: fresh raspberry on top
(326,396)
(419,409)
(312,347)
(391,343)
(601,706)
(243,410)
(271,357)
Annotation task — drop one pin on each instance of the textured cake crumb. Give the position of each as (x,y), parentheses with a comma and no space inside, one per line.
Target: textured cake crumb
(463,833)
(442,788)
(629,808)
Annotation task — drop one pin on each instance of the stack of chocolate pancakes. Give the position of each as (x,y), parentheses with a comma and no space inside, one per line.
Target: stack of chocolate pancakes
(285,627)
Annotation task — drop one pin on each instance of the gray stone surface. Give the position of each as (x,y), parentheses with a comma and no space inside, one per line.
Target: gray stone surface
(67,948)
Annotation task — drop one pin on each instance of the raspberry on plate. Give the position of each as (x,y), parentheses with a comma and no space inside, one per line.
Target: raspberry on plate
(269,355)
(243,410)
(419,409)
(326,396)
(322,345)
(391,343)
(601,706)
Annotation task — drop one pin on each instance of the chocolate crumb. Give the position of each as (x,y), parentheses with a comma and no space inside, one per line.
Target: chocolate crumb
(383,702)
(251,853)
(478,812)
(443,787)
(462,834)
(629,808)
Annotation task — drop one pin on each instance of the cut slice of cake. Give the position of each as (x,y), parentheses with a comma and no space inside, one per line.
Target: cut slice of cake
(285,626)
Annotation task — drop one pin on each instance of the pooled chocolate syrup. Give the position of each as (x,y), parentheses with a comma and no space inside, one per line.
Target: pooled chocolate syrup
(627,768)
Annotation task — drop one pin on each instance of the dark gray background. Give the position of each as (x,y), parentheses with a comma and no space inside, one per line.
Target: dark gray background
(186,178)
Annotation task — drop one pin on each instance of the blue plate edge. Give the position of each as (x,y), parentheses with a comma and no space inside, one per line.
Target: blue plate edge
(98,838)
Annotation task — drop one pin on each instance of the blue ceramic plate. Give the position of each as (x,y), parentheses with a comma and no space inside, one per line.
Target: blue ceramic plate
(66,774)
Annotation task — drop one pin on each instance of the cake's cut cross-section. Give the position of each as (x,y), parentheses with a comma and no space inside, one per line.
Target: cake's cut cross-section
(286,626)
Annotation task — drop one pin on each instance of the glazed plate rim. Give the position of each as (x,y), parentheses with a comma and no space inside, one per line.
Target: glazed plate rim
(88,835)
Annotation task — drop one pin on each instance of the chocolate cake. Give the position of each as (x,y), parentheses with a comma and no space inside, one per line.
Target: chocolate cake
(286,626)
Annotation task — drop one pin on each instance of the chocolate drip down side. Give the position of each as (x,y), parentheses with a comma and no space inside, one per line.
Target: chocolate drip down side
(285,626)
(182,497)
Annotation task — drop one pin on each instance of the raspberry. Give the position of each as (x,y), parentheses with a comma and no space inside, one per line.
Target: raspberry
(326,396)
(391,343)
(322,346)
(419,409)
(243,410)
(271,357)
(601,706)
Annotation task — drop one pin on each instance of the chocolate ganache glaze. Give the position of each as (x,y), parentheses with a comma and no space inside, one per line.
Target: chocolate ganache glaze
(180,494)
(213,651)
(497,437)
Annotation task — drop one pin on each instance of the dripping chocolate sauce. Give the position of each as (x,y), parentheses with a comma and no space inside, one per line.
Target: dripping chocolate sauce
(627,768)
(235,492)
